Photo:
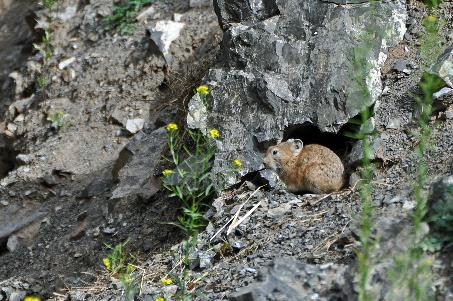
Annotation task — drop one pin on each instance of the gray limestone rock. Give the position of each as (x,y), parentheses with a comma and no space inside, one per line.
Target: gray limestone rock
(20,106)
(244,10)
(163,33)
(12,243)
(24,159)
(135,125)
(442,92)
(444,66)
(286,63)
(394,123)
(206,259)
(17,296)
(200,3)
(134,168)
(13,219)
(288,279)
(401,65)
(101,183)
(270,177)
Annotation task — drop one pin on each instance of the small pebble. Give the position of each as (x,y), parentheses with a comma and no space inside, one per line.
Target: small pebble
(109,230)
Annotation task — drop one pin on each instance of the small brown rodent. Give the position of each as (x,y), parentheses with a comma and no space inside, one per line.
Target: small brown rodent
(313,168)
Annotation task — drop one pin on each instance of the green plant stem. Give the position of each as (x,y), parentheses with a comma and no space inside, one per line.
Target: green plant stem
(420,205)
(190,181)
(411,272)
(430,48)
(365,191)
(172,142)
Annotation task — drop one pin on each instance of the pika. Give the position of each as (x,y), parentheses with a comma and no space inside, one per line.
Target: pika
(313,168)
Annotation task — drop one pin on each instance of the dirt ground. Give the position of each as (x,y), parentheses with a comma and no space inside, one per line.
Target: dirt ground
(118,77)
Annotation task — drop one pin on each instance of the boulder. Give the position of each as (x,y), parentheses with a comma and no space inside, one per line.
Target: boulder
(286,63)
(13,219)
(288,279)
(136,163)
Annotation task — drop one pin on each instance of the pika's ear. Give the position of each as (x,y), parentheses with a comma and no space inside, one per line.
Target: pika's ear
(296,146)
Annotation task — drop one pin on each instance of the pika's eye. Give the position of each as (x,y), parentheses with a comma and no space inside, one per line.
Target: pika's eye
(274,152)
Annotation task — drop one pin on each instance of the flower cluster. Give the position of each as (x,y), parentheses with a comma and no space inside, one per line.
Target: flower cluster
(106,263)
(203,90)
(431,24)
(167,172)
(237,163)
(166,281)
(214,133)
(172,127)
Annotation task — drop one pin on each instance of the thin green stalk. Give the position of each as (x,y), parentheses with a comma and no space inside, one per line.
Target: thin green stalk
(411,272)
(425,131)
(365,191)
(172,143)
(360,70)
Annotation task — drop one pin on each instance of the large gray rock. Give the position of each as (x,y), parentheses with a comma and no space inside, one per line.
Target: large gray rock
(135,166)
(286,63)
(288,279)
(14,218)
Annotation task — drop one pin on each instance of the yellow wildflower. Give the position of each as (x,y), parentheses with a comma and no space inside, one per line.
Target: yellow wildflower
(237,163)
(159,299)
(166,281)
(167,172)
(106,262)
(172,127)
(214,133)
(203,90)
(32,298)
(431,19)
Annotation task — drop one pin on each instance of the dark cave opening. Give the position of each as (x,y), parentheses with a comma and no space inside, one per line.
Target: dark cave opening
(339,143)
(7,161)
(311,134)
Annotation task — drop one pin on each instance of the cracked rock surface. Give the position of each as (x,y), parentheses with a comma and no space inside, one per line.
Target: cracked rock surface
(287,63)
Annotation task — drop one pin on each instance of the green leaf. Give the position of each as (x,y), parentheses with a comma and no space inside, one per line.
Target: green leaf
(208,189)
(358,136)
(355,121)
(179,192)
(205,176)
(178,225)
(431,83)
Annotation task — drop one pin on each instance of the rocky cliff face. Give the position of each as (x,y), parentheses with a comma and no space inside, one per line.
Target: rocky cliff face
(283,72)
(288,63)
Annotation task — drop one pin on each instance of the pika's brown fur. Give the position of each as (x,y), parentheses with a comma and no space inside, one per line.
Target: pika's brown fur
(312,168)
